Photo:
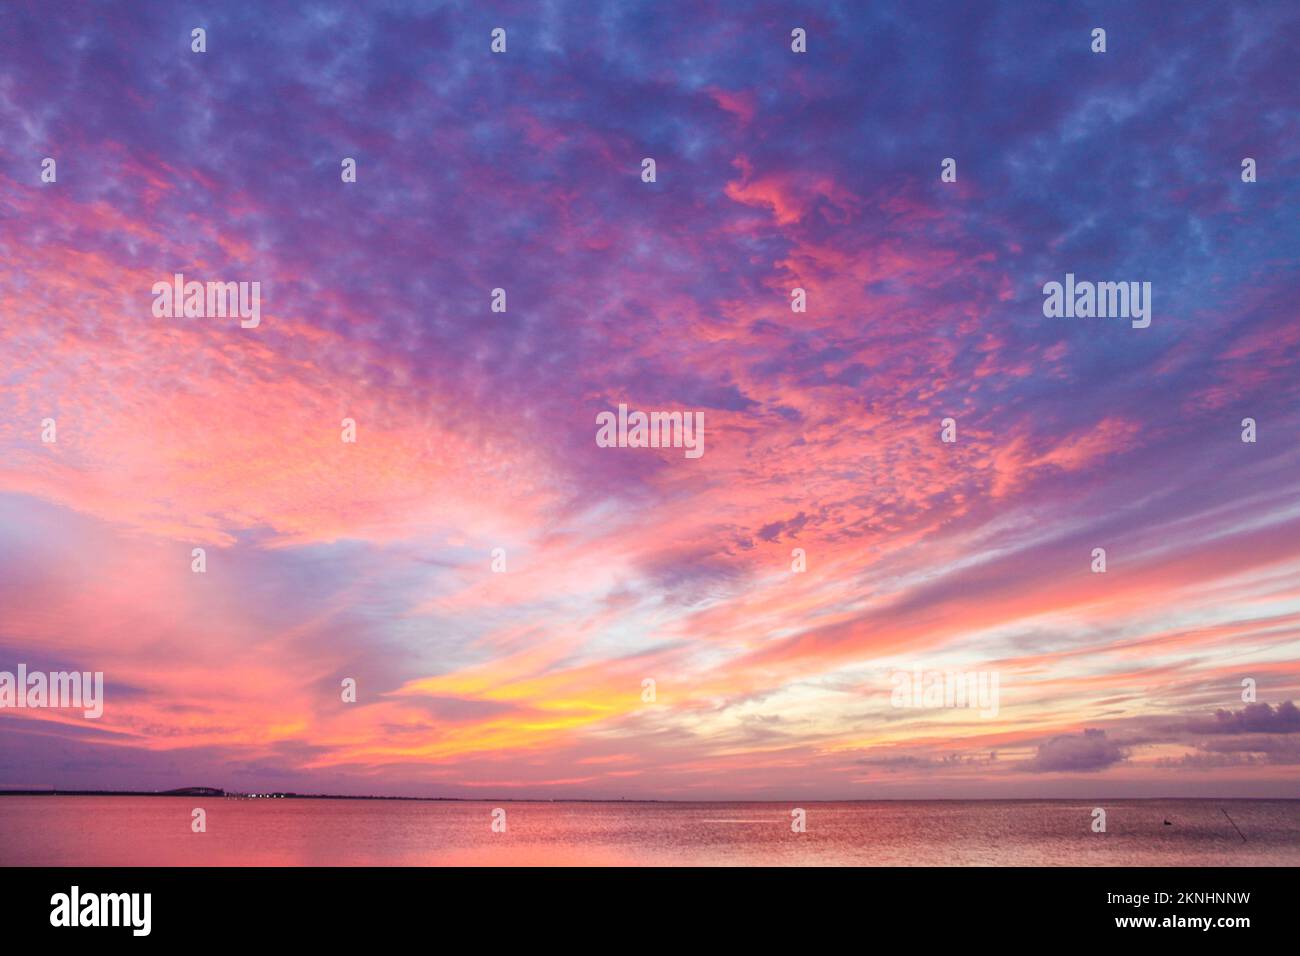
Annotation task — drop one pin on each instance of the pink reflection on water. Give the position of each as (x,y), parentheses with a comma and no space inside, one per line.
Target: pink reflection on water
(155,831)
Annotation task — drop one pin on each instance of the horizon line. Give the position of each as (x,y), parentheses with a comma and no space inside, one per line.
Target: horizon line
(289,795)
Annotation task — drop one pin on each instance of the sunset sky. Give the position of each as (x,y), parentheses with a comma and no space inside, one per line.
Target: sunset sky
(476,430)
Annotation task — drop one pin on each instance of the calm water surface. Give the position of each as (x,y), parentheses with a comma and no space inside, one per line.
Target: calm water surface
(148,831)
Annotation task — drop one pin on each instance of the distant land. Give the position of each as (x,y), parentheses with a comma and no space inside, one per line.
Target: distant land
(278,795)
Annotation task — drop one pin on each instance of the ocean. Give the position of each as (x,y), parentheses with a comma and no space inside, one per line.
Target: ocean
(157,831)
